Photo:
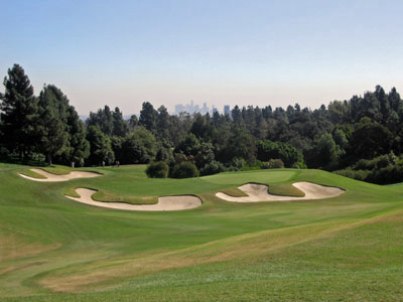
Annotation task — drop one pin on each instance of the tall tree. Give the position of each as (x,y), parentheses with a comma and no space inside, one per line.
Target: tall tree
(100,147)
(120,126)
(163,123)
(148,117)
(103,119)
(19,112)
(139,147)
(54,138)
(79,146)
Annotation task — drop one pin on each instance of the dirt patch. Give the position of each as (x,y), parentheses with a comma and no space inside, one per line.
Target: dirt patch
(165,203)
(259,193)
(50,177)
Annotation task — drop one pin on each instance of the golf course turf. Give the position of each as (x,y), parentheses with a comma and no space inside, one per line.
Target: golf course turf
(346,248)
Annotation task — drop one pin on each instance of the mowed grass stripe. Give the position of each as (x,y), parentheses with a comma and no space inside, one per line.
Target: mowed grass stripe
(231,252)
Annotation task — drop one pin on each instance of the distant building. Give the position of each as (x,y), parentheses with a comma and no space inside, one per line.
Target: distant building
(191,108)
(227,110)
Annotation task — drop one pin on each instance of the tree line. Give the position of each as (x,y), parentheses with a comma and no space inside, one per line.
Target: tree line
(361,137)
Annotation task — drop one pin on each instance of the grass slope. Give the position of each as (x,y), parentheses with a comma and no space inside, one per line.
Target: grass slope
(341,249)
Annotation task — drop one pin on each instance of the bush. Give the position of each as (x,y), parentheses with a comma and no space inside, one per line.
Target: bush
(238,163)
(356,174)
(299,165)
(287,153)
(158,169)
(273,164)
(212,167)
(379,162)
(184,170)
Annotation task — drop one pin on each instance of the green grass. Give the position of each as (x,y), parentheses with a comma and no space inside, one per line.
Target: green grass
(285,189)
(341,249)
(32,174)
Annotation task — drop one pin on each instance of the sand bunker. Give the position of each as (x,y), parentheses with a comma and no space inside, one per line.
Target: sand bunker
(258,193)
(166,203)
(50,177)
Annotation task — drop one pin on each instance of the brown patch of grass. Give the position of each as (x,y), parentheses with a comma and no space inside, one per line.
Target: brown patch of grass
(285,189)
(30,173)
(111,197)
(12,248)
(235,192)
(107,273)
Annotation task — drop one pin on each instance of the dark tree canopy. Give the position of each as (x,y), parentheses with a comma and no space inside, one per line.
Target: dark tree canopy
(53,115)
(19,112)
(334,137)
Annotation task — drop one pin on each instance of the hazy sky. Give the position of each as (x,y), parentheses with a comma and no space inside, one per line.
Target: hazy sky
(249,52)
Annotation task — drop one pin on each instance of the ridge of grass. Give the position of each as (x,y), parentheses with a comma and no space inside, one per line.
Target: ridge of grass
(285,189)
(30,173)
(104,196)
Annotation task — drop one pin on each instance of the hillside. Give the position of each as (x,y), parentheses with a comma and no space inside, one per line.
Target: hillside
(55,249)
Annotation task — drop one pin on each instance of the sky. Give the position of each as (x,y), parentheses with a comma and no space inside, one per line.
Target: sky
(246,52)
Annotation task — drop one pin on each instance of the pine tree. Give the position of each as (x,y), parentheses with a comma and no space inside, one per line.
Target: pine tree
(53,106)
(19,113)
(79,146)
(120,126)
(148,117)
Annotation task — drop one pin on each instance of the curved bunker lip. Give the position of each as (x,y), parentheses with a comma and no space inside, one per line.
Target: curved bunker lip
(165,203)
(50,177)
(259,193)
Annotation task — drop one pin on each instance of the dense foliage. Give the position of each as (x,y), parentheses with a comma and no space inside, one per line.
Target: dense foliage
(159,169)
(334,137)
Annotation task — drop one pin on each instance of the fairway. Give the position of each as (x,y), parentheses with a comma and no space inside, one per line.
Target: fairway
(345,248)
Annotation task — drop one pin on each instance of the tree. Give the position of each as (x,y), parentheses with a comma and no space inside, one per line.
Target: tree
(383,101)
(290,156)
(103,119)
(189,146)
(370,139)
(158,169)
(205,155)
(163,123)
(325,152)
(100,147)
(236,115)
(133,122)
(241,144)
(120,126)
(79,147)
(19,113)
(148,117)
(184,170)
(201,126)
(54,138)
(139,147)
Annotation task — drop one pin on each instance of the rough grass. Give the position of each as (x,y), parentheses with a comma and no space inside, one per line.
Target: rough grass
(341,249)
(111,197)
(234,192)
(30,173)
(285,189)
(58,170)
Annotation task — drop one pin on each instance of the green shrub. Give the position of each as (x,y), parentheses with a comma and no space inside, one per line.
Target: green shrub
(212,167)
(184,170)
(238,163)
(356,174)
(287,153)
(158,169)
(274,163)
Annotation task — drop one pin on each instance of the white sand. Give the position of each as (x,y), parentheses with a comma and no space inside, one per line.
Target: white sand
(50,177)
(259,193)
(166,203)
